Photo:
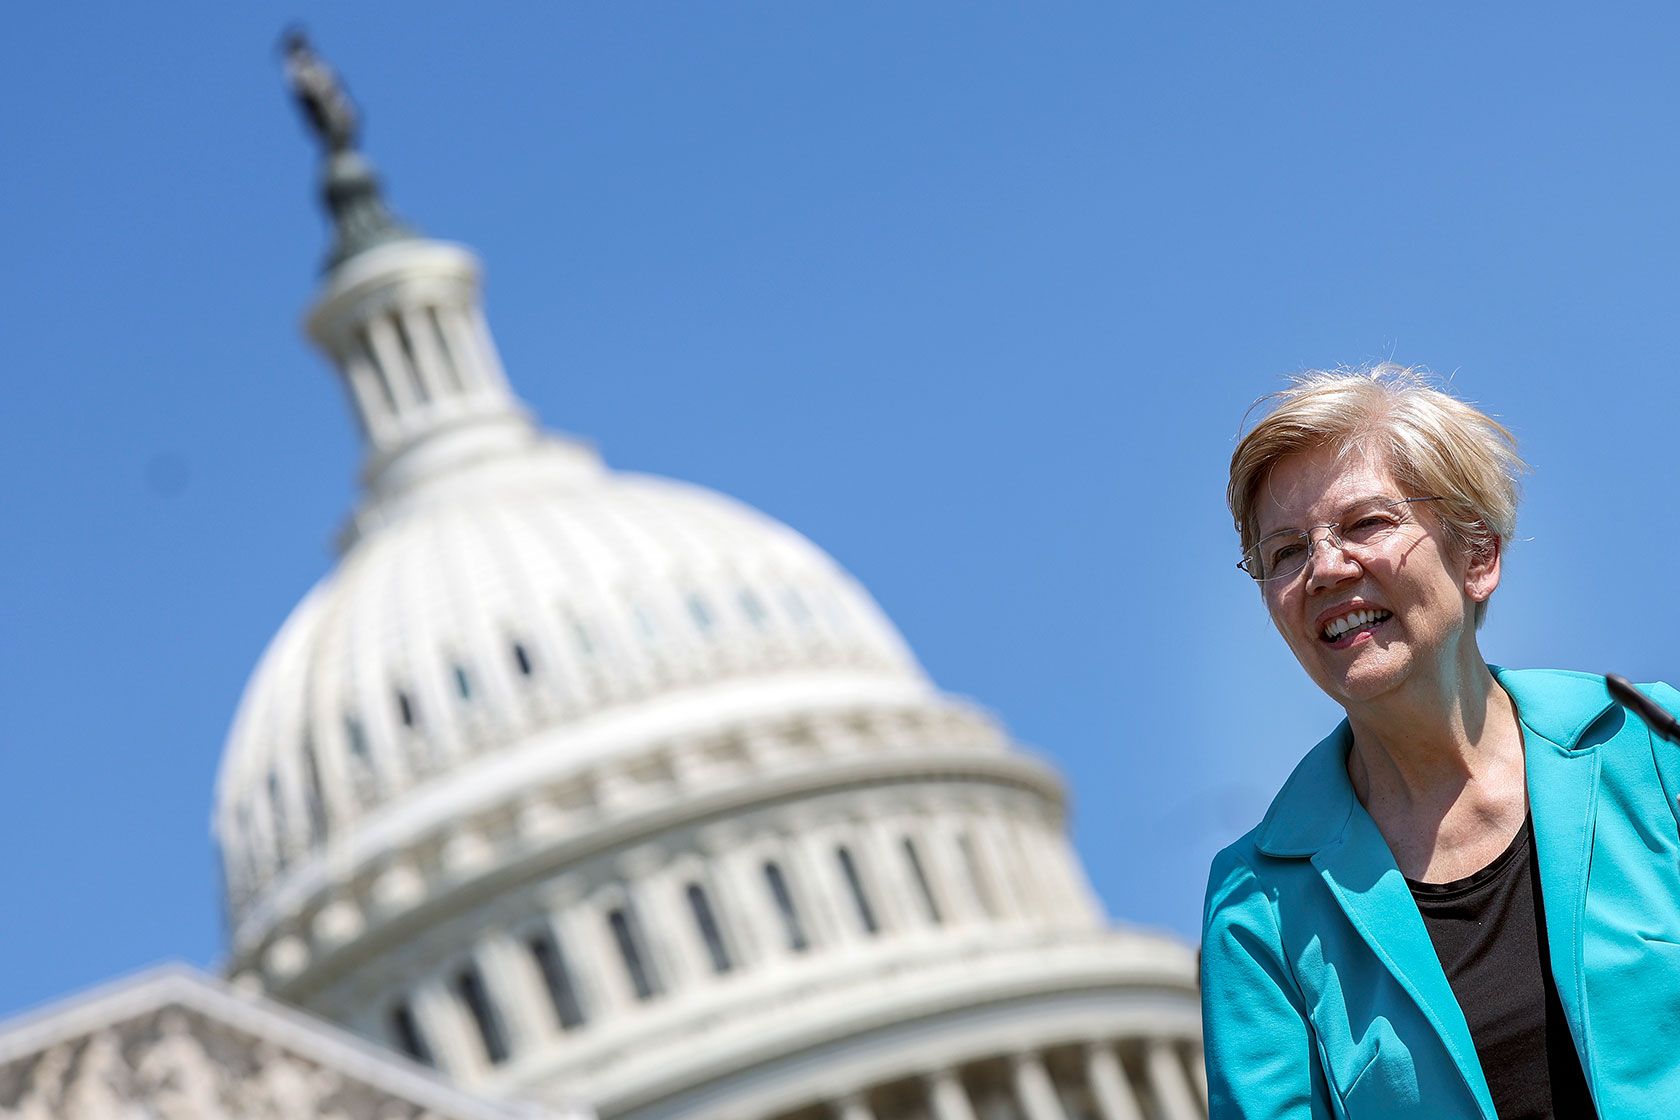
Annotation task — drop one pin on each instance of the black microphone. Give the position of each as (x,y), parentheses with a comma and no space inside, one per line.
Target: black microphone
(1644,707)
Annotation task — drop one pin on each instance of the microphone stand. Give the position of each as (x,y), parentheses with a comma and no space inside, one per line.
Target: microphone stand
(1641,705)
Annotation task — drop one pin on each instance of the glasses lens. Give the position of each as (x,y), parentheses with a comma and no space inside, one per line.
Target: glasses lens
(1279,555)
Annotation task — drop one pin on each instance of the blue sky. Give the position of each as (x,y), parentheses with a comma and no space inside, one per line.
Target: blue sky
(975,296)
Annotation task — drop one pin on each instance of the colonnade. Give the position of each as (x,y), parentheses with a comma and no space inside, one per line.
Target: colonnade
(1091,1082)
(826,876)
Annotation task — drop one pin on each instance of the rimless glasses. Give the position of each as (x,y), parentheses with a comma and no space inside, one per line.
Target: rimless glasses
(1362,527)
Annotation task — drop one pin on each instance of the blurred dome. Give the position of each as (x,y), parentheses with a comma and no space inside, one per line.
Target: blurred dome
(520,600)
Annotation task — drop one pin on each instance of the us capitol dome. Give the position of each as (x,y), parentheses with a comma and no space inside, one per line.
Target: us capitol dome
(577,784)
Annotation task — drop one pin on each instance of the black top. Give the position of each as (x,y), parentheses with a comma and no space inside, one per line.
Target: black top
(1489,931)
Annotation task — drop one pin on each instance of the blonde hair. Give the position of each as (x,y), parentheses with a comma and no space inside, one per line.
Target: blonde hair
(1434,444)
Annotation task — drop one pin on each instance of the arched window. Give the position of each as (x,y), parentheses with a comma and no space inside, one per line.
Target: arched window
(405,708)
(860,900)
(469,985)
(930,906)
(405,1033)
(627,933)
(791,924)
(753,609)
(706,922)
(277,813)
(700,613)
(313,804)
(364,774)
(557,977)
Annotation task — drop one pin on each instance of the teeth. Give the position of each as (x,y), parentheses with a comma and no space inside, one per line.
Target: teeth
(1336,627)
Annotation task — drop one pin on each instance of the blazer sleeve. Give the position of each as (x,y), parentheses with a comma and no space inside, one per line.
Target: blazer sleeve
(1262,1058)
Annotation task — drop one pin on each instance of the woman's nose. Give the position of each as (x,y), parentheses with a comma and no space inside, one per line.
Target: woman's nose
(1328,560)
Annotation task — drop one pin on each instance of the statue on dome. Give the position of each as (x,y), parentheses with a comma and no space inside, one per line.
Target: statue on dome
(349,183)
(320,93)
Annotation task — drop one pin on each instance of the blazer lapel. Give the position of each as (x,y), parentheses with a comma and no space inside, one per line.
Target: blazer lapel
(1563,767)
(1359,870)
(1317,816)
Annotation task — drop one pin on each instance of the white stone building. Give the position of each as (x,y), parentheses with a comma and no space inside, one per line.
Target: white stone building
(581,785)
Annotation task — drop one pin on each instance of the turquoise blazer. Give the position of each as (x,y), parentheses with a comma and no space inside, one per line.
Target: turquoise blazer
(1321,992)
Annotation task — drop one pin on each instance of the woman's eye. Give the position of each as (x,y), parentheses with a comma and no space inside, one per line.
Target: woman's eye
(1283,553)
(1367,525)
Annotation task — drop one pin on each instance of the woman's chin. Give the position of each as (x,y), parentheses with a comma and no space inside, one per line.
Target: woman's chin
(1362,672)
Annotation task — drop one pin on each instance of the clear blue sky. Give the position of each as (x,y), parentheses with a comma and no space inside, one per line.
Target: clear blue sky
(975,296)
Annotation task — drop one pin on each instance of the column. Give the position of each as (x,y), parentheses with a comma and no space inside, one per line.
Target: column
(950,1099)
(513,984)
(1198,1074)
(1115,1099)
(1035,1091)
(382,337)
(1169,1081)
(486,346)
(439,1018)
(992,832)
(982,831)
(854,1107)
(886,841)
(667,927)
(601,963)
(737,900)
(811,851)
(428,361)
(369,399)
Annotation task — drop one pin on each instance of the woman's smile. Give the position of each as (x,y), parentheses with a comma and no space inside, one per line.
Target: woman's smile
(1347,625)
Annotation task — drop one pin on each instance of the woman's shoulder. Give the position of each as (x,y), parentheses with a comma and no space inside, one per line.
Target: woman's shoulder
(1561,704)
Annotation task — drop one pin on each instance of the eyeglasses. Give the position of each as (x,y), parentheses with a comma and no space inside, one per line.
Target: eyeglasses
(1361,528)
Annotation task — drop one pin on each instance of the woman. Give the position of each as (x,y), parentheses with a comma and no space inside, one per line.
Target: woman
(1465,902)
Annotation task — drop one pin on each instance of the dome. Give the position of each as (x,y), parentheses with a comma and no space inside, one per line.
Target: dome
(574,783)
(526,604)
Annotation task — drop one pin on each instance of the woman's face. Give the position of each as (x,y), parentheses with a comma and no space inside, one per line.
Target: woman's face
(1418,587)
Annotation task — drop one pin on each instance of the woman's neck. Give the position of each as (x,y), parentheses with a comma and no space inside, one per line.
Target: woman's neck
(1425,743)
(1443,778)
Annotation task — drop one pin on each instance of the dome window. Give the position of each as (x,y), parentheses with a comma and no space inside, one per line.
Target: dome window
(930,905)
(522,659)
(701,614)
(315,807)
(581,636)
(627,933)
(277,807)
(796,608)
(463,683)
(469,985)
(405,708)
(360,757)
(753,609)
(643,621)
(557,978)
(405,1033)
(706,922)
(792,926)
(860,899)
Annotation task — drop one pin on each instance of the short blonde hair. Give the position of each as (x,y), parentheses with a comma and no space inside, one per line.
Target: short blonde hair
(1434,444)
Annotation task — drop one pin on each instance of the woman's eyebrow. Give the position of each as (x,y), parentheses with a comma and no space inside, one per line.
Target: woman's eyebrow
(1353,505)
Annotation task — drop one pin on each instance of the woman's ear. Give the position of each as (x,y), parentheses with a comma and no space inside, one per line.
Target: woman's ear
(1481,575)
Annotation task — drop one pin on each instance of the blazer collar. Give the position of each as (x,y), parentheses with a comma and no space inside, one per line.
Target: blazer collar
(1313,807)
